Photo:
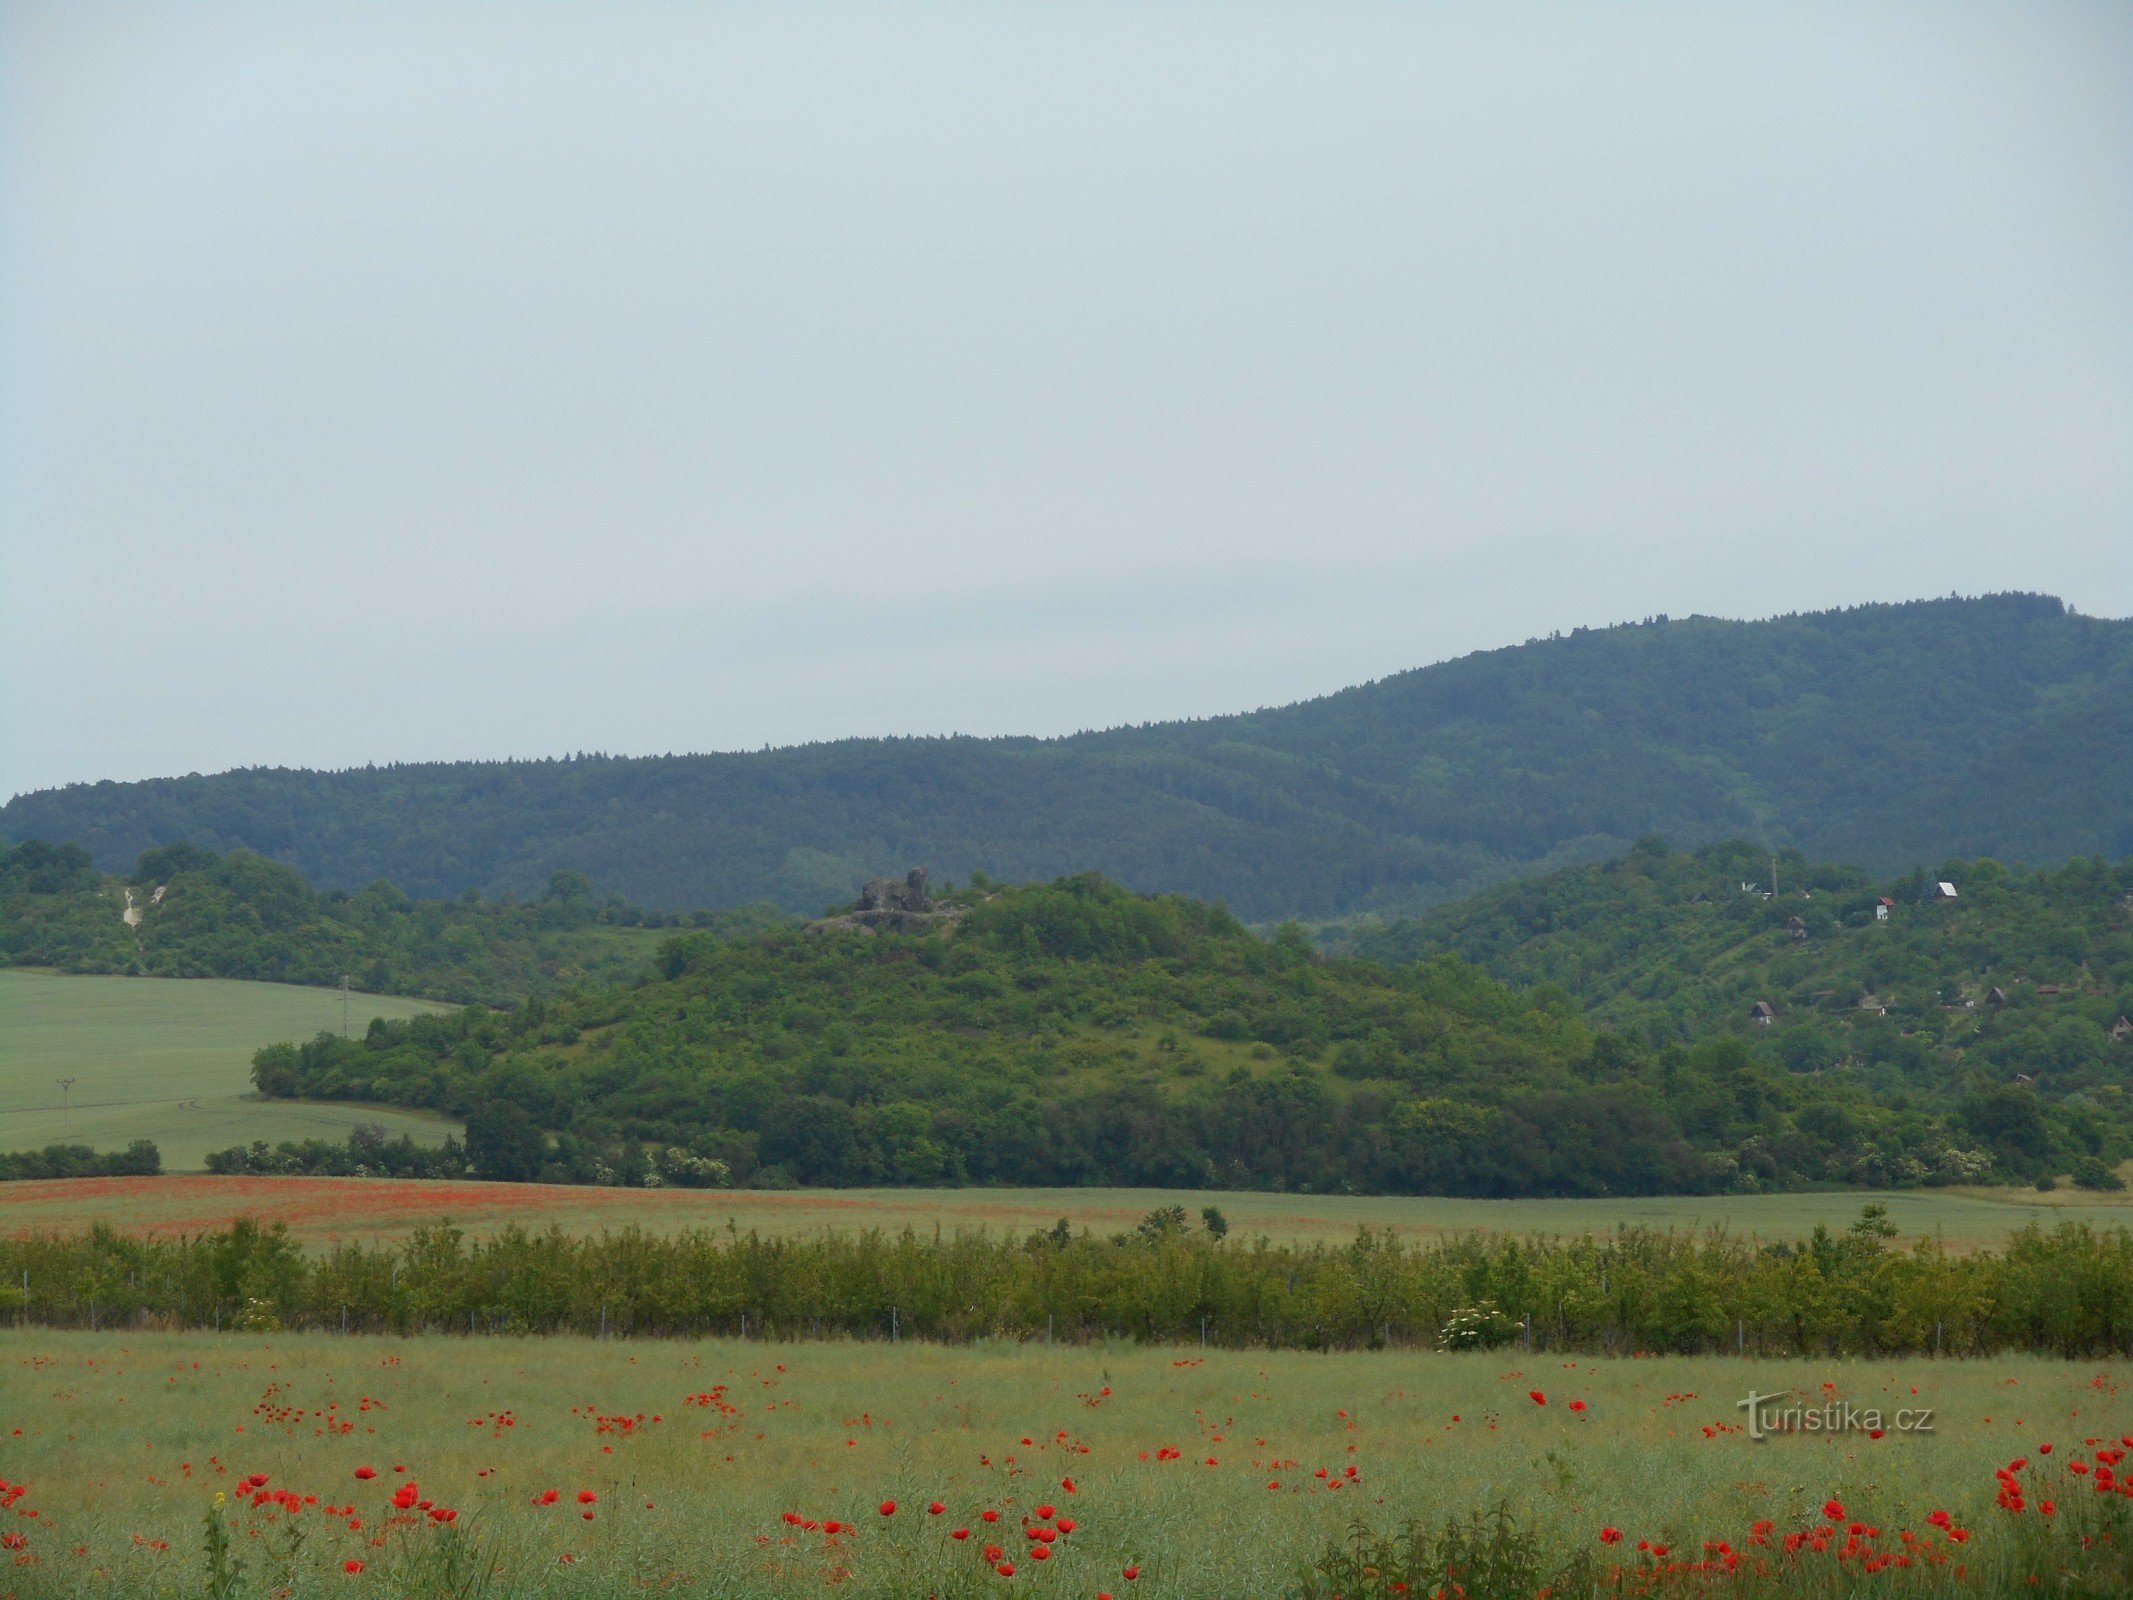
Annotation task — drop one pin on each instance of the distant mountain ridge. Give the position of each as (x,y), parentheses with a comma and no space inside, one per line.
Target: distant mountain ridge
(1881,735)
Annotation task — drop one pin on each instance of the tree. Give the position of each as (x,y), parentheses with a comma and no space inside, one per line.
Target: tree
(504,1145)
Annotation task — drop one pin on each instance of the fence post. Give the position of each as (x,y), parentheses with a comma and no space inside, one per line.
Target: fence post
(893,1330)
(1740,1336)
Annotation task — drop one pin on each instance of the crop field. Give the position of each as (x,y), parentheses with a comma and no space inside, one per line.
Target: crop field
(366,1466)
(321,1209)
(169,1059)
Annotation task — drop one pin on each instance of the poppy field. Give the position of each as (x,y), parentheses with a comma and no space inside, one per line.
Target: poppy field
(319,1210)
(313,1465)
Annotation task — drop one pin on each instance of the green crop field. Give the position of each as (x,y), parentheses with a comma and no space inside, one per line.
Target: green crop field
(169,1059)
(580,1467)
(318,1209)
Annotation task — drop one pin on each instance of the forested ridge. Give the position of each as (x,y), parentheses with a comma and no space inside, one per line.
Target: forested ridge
(1882,735)
(1076,1033)
(198,914)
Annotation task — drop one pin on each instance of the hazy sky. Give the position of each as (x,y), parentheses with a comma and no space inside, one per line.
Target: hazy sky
(387,382)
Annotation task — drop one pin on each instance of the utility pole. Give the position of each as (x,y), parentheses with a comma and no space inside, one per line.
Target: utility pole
(344,1005)
(1773,877)
(66,1111)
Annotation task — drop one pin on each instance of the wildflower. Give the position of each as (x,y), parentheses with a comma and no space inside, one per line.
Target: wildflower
(1536,1397)
(1044,1513)
(1005,1569)
(366,1473)
(960,1533)
(888,1508)
(351,1565)
(1610,1536)
(1577,1405)
(1130,1573)
(1833,1509)
(935,1509)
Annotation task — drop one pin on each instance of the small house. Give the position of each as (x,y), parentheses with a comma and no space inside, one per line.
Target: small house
(2121,1031)
(1872,1002)
(2023,1077)
(1995,996)
(2047,988)
(1762,1013)
(1943,890)
(1795,927)
(1882,908)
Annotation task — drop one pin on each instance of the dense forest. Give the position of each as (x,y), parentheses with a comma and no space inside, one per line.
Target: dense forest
(1882,735)
(1076,1033)
(2026,970)
(196,914)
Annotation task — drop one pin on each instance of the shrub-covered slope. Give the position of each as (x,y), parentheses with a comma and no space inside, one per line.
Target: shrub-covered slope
(1075,1033)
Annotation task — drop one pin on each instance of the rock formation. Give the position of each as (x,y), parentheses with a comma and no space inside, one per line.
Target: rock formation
(891,905)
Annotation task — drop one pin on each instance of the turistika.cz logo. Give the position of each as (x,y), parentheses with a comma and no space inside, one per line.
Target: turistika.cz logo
(1786,1412)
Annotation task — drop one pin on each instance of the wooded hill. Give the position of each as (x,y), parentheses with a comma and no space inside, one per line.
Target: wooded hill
(2025,970)
(1881,735)
(1075,1033)
(196,914)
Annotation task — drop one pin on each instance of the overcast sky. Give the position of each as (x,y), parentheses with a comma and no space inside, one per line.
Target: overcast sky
(391,382)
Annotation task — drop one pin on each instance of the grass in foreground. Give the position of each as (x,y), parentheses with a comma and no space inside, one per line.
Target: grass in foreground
(318,1209)
(683,1467)
(170,1059)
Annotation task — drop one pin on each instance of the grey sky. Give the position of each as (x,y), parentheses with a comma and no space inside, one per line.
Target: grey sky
(407,382)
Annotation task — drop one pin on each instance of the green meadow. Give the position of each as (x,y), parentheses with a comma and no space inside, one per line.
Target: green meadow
(1203,1474)
(169,1059)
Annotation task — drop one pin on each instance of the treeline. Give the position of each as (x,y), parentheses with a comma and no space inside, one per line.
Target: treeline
(140,1159)
(185,912)
(1074,1033)
(1998,726)
(2067,1292)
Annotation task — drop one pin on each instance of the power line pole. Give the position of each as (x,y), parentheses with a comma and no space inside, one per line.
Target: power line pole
(66,1109)
(344,1005)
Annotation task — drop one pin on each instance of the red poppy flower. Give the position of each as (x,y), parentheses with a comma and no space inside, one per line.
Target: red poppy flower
(935,1509)
(1536,1397)
(1833,1509)
(1005,1569)
(1577,1405)
(990,1516)
(1610,1536)
(960,1533)
(888,1508)
(351,1565)
(366,1472)
(586,1497)
(1130,1573)
(1044,1513)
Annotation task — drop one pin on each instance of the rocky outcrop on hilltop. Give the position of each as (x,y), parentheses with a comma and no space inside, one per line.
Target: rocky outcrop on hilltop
(891,905)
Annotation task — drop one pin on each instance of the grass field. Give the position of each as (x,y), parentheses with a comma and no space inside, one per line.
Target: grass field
(356,1208)
(1210,1475)
(168,1059)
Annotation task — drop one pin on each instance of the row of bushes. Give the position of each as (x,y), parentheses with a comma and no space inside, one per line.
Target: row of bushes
(139,1159)
(2068,1291)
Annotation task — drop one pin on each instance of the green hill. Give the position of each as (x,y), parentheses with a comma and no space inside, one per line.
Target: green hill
(190,913)
(1881,735)
(1075,1033)
(2026,971)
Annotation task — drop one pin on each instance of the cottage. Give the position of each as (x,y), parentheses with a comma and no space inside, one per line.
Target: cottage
(1762,1013)
(1995,996)
(1943,890)
(1796,927)
(1882,908)
(2121,1031)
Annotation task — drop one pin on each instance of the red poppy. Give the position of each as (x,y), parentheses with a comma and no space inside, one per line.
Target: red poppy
(1536,1397)
(1833,1509)
(351,1565)
(1610,1536)
(1005,1569)
(1044,1513)
(990,1516)
(1577,1405)
(366,1472)
(1130,1573)
(888,1508)
(935,1509)
(586,1497)
(960,1533)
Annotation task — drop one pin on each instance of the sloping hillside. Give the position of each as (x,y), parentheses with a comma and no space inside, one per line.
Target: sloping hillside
(1882,735)
(2025,971)
(1073,1033)
(190,913)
